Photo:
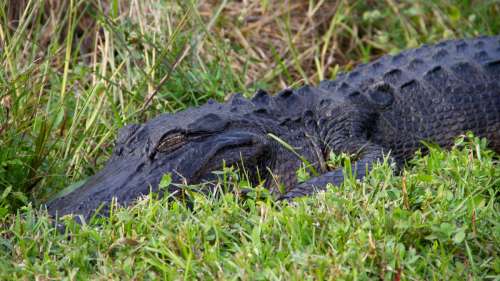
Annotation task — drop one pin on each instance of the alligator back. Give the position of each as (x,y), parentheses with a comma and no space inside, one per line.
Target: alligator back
(432,93)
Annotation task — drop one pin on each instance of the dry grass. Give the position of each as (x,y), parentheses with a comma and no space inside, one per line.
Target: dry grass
(307,41)
(283,42)
(293,35)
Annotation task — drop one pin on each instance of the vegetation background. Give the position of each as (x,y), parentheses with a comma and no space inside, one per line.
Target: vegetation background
(73,72)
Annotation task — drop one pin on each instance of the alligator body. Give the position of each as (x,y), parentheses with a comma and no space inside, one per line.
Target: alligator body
(386,107)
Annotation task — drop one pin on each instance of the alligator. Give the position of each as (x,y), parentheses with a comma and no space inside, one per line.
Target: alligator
(382,110)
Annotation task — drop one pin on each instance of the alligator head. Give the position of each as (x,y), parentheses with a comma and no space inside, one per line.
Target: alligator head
(191,144)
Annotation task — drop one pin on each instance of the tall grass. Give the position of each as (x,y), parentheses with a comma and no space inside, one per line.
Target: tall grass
(62,106)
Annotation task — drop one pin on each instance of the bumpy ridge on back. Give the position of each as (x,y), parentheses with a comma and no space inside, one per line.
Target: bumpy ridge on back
(462,56)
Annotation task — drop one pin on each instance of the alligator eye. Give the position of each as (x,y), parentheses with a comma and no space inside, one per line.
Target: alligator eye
(171,142)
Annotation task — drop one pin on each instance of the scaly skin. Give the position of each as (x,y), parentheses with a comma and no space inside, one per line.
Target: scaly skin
(387,107)
(432,93)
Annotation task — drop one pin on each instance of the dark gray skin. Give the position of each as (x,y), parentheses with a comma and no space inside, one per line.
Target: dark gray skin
(387,107)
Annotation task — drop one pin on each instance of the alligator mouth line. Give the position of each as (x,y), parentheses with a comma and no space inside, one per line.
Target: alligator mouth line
(244,155)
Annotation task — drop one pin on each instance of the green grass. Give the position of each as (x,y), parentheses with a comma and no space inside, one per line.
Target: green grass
(70,77)
(442,224)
